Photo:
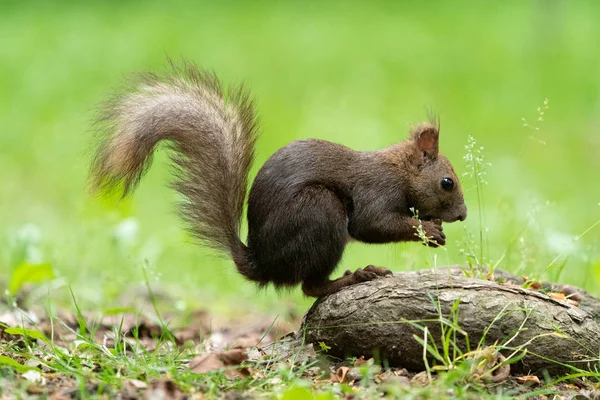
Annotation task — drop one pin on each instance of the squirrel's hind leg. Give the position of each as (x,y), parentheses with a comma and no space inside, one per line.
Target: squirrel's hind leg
(324,288)
(301,239)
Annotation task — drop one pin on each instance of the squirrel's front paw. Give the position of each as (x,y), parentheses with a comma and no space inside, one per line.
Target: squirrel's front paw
(369,273)
(360,275)
(379,271)
(434,232)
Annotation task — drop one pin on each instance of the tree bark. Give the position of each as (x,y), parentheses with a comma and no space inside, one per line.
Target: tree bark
(383,316)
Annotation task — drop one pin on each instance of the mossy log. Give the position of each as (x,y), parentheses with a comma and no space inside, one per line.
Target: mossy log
(382,318)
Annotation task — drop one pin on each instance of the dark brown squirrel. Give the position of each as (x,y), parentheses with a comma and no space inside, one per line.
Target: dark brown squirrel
(307,201)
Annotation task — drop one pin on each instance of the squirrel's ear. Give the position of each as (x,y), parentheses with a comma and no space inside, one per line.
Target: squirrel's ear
(426,140)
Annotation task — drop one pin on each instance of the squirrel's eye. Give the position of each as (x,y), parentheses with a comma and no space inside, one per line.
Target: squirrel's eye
(447,184)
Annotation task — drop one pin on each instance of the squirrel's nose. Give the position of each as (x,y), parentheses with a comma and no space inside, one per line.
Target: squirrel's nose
(463,215)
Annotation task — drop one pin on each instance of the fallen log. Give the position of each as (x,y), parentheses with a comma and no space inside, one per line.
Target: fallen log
(385,316)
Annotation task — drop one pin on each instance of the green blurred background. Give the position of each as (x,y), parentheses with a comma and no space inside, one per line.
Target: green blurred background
(358,73)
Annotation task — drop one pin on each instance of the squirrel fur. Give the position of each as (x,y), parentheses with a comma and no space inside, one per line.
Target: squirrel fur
(307,201)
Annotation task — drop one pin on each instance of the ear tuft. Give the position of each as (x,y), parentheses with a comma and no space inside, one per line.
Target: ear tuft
(426,139)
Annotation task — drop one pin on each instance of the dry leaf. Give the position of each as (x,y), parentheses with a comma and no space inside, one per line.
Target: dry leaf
(572,302)
(420,379)
(570,386)
(401,372)
(59,396)
(500,374)
(331,379)
(494,371)
(206,363)
(163,390)
(137,384)
(341,373)
(561,297)
(212,362)
(557,296)
(383,377)
(528,379)
(362,361)
(233,357)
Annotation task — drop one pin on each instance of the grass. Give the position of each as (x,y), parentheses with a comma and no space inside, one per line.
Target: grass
(349,72)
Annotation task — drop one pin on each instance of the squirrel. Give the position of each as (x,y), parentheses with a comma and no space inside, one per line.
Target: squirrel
(307,201)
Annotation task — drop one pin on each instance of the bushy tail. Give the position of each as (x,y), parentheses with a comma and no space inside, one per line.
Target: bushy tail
(211,134)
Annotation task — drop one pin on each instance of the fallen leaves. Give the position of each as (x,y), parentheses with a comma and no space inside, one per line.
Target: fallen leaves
(528,380)
(340,374)
(212,362)
(365,368)
(91,340)
(164,389)
(562,297)
(489,365)
(565,293)
(237,349)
